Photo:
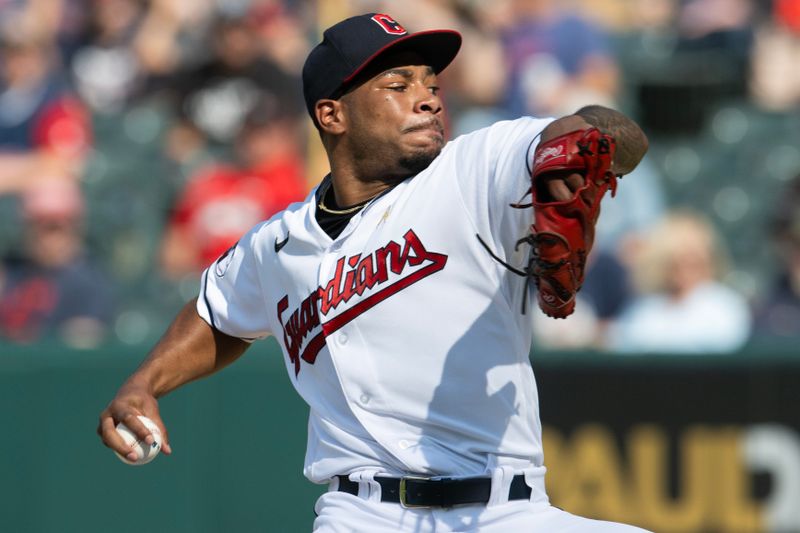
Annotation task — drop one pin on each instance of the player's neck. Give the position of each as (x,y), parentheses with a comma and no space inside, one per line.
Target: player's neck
(360,174)
(349,188)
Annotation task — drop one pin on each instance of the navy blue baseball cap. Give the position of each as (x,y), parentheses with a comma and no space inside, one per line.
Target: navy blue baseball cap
(349,46)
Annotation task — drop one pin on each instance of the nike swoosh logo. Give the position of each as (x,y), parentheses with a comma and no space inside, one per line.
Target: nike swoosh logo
(279,245)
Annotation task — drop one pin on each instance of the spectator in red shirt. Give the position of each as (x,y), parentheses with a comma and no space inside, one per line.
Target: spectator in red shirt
(222,201)
(44,129)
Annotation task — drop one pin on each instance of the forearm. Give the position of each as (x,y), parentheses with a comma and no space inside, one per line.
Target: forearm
(631,141)
(190,349)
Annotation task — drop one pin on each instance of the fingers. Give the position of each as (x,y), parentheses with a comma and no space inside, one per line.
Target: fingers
(575,182)
(127,406)
(139,429)
(561,188)
(165,447)
(558,190)
(107,429)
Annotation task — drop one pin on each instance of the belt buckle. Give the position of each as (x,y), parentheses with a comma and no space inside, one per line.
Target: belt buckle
(404,493)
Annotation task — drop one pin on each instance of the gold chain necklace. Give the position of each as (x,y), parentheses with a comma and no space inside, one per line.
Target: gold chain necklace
(338,211)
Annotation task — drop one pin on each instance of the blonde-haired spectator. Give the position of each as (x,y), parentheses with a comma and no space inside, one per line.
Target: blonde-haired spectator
(682,306)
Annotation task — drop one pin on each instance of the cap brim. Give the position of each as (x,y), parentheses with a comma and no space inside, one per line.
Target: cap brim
(437,48)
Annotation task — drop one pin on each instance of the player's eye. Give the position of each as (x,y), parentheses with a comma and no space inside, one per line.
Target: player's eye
(399,87)
(434,89)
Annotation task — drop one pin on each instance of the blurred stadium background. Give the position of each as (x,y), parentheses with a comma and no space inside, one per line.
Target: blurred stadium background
(139,138)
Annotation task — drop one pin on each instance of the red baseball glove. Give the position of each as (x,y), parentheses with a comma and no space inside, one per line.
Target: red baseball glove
(563,231)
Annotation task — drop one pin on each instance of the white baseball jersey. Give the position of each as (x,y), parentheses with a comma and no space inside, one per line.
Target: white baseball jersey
(403,334)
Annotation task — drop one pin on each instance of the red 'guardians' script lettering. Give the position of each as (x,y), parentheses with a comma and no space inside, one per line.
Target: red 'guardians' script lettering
(353,276)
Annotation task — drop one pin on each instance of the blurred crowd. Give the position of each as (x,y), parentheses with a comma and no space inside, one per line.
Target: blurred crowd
(140,138)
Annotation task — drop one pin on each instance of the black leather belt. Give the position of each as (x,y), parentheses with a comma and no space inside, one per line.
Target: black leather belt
(412,491)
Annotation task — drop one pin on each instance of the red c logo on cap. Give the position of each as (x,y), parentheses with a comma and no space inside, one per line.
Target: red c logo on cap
(388,24)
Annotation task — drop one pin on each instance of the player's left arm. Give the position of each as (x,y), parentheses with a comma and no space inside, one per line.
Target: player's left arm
(577,160)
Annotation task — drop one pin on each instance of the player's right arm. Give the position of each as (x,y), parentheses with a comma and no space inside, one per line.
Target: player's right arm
(190,349)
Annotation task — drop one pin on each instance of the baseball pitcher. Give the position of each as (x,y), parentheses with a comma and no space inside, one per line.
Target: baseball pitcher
(398,291)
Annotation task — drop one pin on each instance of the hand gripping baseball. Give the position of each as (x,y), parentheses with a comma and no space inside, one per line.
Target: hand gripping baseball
(130,402)
(562,233)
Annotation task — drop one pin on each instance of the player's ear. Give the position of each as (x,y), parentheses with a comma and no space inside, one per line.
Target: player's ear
(330,116)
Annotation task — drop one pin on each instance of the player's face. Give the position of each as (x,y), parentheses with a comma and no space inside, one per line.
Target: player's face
(396,118)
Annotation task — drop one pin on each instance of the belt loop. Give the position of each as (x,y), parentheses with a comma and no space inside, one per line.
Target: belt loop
(502,476)
(534,478)
(368,488)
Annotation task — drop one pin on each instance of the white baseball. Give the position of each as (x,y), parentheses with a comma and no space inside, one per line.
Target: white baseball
(145,452)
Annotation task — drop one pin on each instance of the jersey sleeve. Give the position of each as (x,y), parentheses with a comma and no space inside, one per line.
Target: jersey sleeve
(231,297)
(493,171)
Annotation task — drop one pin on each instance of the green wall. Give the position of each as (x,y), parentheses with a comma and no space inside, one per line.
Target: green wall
(238,444)
(239,437)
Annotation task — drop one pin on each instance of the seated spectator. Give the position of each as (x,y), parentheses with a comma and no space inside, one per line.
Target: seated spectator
(282,32)
(221,202)
(774,78)
(777,316)
(44,129)
(53,290)
(214,98)
(682,307)
(106,69)
(558,60)
(725,26)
